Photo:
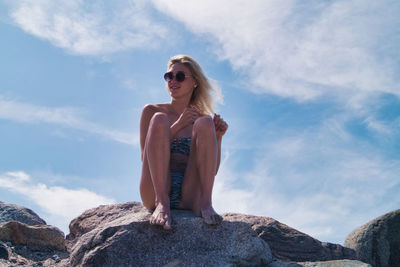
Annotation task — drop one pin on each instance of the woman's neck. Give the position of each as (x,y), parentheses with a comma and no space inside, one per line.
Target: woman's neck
(179,105)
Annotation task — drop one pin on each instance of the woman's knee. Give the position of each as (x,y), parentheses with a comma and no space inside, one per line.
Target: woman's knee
(159,121)
(204,125)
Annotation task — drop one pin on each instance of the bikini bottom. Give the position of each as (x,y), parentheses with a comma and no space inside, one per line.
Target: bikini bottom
(178,146)
(176,189)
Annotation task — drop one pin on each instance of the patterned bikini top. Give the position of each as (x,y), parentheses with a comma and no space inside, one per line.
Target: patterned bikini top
(181,145)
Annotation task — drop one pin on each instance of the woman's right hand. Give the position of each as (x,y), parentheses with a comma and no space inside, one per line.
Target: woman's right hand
(189,116)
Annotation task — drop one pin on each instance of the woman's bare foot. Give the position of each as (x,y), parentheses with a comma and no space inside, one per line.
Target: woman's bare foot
(161,216)
(210,216)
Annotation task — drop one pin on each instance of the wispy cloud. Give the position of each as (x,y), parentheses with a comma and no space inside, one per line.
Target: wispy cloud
(61,204)
(323,181)
(302,50)
(344,49)
(90,28)
(63,116)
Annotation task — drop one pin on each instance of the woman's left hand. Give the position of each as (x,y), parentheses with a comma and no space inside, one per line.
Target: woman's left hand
(220,126)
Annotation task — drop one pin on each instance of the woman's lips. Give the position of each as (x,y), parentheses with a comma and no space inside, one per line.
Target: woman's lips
(174,88)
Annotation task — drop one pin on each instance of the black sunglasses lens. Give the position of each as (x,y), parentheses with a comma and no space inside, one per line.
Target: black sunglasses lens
(168,76)
(180,76)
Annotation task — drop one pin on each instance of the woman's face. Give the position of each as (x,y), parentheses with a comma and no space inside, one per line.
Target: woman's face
(180,89)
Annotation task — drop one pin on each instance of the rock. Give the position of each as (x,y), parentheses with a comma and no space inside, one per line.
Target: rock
(337,252)
(337,263)
(278,263)
(103,214)
(3,252)
(12,212)
(378,241)
(41,236)
(120,235)
(289,244)
(56,258)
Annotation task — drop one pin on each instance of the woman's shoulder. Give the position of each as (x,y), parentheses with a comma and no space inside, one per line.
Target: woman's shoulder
(152,108)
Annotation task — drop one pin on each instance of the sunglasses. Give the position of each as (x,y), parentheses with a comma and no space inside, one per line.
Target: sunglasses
(179,76)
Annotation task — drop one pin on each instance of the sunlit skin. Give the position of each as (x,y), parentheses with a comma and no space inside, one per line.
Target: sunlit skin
(159,125)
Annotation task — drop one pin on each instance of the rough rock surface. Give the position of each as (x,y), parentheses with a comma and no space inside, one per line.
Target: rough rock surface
(12,212)
(104,214)
(3,251)
(378,241)
(20,255)
(337,263)
(288,244)
(37,236)
(120,235)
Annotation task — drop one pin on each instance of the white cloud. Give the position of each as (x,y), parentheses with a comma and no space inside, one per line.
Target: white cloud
(227,198)
(378,126)
(302,50)
(90,28)
(217,91)
(322,181)
(62,204)
(288,48)
(63,116)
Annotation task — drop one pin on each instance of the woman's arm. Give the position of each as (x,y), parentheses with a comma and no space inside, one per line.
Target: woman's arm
(175,128)
(188,116)
(220,129)
(219,142)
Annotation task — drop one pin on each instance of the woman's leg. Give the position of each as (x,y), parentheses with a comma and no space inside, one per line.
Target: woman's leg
(155,181)
(200,172)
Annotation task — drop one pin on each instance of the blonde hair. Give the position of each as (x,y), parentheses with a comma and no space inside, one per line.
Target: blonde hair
(201,96)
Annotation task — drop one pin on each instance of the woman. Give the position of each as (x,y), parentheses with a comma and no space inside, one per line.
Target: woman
(181,146)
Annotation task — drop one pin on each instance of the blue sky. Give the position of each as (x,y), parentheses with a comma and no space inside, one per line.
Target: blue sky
(310,91)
